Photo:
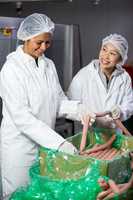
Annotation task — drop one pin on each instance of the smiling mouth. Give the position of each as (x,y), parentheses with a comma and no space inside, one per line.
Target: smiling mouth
(40,53)
(105,62)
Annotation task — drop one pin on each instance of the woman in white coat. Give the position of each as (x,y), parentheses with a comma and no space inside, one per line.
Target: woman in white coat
(32,98)
(104,85)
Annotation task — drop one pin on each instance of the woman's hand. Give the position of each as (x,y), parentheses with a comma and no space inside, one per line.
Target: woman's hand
(85,115)
(68,147)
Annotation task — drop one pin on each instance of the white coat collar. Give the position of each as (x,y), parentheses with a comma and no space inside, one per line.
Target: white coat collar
(26,58)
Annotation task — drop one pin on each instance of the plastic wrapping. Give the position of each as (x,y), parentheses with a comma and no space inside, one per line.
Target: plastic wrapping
(48,188)
(60,176)
(118,168)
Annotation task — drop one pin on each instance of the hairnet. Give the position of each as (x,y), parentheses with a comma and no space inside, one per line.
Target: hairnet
(34,25)
(120,43)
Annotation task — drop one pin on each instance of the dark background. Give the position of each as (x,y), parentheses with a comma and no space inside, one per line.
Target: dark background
(95,21)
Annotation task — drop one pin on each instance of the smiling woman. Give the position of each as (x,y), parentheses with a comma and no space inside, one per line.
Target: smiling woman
(104,85)
(37,45)
(32,99)
(108,58)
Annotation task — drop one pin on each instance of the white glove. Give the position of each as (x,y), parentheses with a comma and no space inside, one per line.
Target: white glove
(84,115)
(115,112)
(67,147)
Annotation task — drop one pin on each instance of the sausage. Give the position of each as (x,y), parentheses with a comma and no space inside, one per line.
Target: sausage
(103,153)
(114,151)
(103,146)
(84,152)
(102,114)
(84,136)
(110,196)
(117,153)
(113,186)
(96,154)
(103,194)
(122,127)
(117,122)
(107,154)
(103,184)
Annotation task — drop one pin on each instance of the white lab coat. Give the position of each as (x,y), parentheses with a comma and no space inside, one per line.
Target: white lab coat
(31,97)
(88,87)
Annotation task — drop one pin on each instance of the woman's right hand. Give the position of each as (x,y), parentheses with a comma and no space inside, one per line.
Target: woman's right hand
(68,147)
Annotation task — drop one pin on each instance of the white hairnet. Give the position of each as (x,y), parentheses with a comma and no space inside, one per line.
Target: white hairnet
(34,25)
(120,43)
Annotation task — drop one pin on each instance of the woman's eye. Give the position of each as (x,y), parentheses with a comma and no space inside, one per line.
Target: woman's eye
(104,49)
(47,42)
(113,54)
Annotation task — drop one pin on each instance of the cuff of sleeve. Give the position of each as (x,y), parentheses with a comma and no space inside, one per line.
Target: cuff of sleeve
(68,107)
(116,112)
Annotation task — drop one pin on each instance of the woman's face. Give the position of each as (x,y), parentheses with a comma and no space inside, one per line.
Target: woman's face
(37,45)
(108,57)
